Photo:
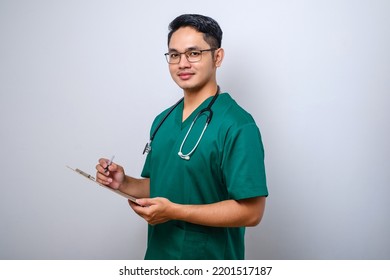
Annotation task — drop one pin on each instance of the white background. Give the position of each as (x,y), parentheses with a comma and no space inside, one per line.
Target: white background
(84,79)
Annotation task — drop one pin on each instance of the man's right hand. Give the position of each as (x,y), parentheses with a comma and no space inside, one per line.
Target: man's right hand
(113,178)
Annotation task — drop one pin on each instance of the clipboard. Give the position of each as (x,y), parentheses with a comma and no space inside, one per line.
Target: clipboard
(91,178)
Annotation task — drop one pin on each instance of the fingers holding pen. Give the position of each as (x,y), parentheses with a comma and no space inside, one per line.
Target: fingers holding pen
(104,166)
(109,173)
(102,176)
(106,169)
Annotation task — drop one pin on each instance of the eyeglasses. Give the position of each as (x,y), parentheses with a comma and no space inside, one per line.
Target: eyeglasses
(191,55)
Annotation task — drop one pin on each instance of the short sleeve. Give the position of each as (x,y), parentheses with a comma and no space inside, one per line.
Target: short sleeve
(243,163)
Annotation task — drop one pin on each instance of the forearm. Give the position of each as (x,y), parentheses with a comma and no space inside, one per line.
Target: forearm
(139,188)
(228,213)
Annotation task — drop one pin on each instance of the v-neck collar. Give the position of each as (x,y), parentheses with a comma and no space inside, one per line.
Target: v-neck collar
(190,118)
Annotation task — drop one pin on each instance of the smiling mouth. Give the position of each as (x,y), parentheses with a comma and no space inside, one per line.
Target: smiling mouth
(185,76)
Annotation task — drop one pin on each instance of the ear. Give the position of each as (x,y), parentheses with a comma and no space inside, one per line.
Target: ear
(219,55)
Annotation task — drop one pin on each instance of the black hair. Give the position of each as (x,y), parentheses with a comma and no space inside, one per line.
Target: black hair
(211,30)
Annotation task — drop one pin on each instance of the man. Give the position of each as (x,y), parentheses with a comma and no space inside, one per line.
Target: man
(203,179)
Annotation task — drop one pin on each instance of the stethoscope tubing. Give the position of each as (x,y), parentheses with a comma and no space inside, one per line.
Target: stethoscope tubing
(208,120)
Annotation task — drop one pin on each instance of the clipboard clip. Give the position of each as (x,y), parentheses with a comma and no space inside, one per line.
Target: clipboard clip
(90,177)
(85,174)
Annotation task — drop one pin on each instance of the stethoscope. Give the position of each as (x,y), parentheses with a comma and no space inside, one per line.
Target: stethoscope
(187,156)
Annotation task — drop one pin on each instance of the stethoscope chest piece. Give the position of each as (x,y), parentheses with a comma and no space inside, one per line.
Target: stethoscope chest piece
(147,148)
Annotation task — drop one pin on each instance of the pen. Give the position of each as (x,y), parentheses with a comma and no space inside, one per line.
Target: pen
(109,163)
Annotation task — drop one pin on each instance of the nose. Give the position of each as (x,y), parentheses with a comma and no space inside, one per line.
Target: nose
(184,63)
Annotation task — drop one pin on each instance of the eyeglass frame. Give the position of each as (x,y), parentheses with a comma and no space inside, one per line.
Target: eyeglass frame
(187,56)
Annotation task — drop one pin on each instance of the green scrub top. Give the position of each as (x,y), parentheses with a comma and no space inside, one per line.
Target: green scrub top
(227,164)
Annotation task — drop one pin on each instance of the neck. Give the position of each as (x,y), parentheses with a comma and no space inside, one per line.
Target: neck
(193,98)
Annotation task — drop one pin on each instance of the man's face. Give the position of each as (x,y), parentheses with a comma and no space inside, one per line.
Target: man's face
(195,75)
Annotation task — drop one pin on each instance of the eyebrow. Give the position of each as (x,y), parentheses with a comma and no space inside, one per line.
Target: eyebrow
(186,50)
